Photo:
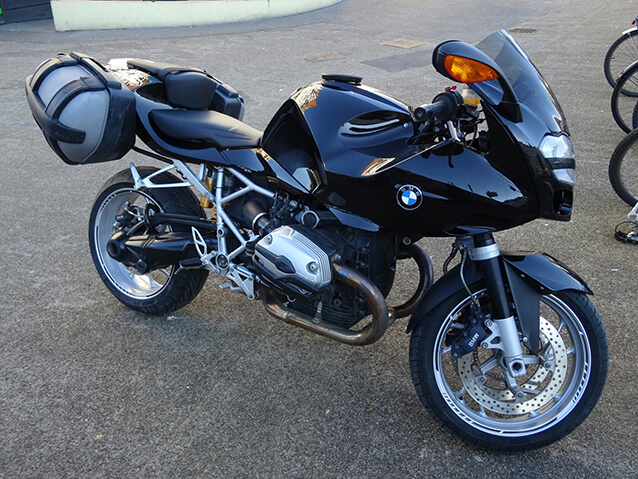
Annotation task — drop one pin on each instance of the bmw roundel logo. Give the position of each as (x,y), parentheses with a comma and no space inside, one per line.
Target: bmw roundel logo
(409,197)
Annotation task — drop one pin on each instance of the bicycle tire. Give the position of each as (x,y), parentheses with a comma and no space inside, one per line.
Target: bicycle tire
(622,53)
(622,105)
(623,169)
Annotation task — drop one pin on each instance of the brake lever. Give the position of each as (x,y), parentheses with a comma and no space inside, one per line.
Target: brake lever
(453,131)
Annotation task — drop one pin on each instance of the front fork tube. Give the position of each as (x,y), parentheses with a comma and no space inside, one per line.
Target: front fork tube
(503,325)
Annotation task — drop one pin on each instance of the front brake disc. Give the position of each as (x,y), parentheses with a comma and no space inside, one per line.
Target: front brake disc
(539,386)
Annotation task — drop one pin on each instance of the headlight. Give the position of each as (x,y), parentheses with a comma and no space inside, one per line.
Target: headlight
(558,151)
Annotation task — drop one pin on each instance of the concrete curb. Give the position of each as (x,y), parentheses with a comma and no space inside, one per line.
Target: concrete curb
(104,15)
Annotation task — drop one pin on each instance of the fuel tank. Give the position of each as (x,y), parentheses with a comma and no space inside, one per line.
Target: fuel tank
(351,147)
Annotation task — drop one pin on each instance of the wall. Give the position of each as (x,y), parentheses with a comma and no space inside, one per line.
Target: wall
(24,10)
(96,15)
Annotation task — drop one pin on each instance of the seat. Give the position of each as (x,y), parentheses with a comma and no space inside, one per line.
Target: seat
(208,126)
(159,69)
(189,88)
(192,88)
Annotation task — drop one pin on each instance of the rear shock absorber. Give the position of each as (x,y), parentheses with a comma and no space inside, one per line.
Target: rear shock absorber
(208,181)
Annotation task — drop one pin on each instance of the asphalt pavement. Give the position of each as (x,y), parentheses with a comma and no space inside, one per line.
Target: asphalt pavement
(219,389)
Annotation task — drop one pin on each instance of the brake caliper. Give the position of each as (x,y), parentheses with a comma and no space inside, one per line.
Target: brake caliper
(471,336)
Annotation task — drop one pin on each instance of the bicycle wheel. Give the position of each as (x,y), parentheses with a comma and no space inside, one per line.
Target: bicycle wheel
(622,104)
(622,53)
(623,169)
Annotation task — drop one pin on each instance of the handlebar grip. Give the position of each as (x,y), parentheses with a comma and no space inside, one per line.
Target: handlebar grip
(429,111)
(444,107)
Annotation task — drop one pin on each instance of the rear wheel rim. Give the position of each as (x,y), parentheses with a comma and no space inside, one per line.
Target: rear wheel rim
(551,390)
(125,279)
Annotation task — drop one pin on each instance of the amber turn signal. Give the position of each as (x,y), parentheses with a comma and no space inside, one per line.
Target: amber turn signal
(465,70)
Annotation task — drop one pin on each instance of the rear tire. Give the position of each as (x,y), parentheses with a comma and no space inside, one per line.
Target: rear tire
(623,169)
(163,290)
(622,53)
(469,396)
(624,98)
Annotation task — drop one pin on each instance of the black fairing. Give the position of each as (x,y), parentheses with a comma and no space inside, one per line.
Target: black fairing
(362,150)
(289,140)
(353,149)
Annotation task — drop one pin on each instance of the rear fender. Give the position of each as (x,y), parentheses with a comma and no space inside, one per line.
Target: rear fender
(530,275)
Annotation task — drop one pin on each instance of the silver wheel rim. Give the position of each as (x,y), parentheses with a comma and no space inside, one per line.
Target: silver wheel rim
(128,282)
(553,387)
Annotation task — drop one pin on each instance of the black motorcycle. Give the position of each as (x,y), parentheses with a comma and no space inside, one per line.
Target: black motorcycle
(312,215)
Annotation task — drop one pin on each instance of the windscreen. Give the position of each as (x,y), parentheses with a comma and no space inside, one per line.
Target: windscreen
(531,89)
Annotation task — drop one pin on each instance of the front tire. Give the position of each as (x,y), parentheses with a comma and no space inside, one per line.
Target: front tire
(469,395)
(162,290)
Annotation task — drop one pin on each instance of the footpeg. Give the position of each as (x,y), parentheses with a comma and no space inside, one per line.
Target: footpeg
(191,263)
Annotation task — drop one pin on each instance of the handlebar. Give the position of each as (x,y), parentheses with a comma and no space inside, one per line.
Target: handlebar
(444,107)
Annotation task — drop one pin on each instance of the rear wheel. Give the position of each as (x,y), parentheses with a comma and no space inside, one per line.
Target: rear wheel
(474,398)
(624,98)
(623,169)
(162,290)
(622,53)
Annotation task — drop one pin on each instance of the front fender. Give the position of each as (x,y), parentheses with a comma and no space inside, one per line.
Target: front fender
(543,272)
(530,275)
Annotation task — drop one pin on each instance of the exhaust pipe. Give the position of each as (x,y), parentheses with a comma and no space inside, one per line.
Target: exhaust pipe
(426,278)
(382,315)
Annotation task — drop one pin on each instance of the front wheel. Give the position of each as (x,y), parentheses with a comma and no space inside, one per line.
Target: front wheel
(161,290)
(475,399)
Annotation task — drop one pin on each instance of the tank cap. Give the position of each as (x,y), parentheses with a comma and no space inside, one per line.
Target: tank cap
(351,79)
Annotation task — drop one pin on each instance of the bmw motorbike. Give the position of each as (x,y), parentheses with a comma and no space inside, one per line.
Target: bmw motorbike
(312,215)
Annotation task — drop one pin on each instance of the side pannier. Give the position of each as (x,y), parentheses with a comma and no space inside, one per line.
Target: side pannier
(85,113)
